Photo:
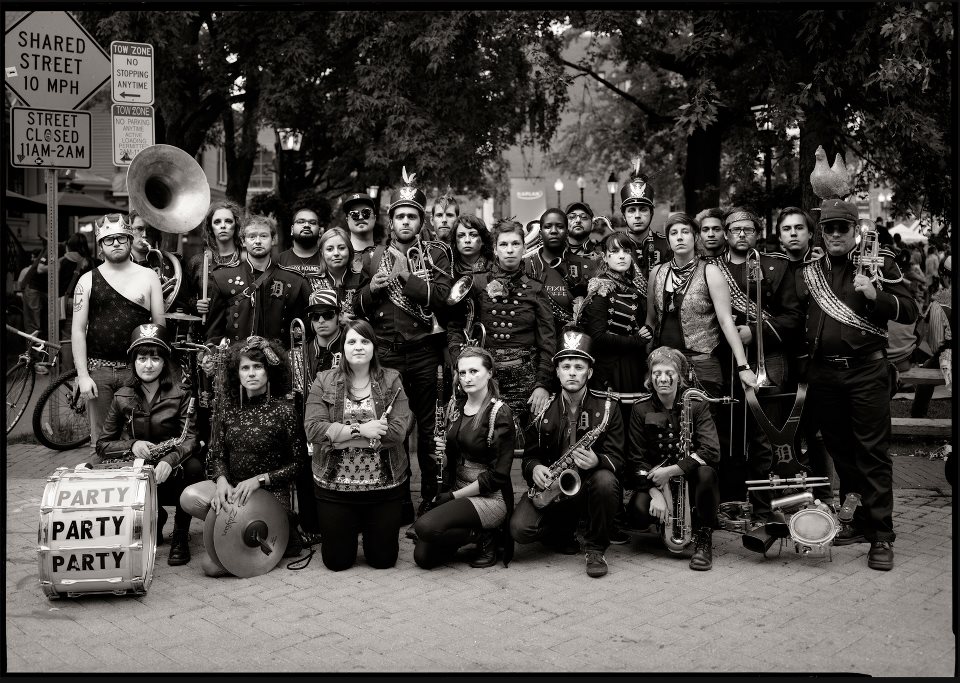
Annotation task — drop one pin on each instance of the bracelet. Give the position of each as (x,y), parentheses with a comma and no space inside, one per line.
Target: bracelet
(741,368)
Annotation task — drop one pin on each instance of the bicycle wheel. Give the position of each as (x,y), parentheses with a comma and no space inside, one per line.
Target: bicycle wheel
(60,420)
(20,381)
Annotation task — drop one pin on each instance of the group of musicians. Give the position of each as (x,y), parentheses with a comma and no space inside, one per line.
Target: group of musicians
(603,361)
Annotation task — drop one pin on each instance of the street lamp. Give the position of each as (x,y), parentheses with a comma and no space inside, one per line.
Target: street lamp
(581,183)
(612,189)
(558,186)
(883,198)
(761,116)
(288,140)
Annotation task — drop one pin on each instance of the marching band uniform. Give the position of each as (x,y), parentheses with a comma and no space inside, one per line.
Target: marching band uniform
(850,382)
(653,248)
(560,426)
(564,279)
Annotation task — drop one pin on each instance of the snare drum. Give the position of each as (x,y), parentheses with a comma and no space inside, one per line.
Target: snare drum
(812,530)
(98,531)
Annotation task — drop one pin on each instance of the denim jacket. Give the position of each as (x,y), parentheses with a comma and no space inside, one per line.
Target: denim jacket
(325,406)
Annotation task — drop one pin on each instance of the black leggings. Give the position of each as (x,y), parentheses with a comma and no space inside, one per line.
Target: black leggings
(442,531)
(340,523)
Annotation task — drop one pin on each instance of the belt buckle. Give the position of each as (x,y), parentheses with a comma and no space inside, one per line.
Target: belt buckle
(844,361)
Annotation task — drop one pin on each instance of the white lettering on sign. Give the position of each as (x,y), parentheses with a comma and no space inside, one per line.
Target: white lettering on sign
(88,562)
(132,131)
(132,72)
(48,138)
(54,62)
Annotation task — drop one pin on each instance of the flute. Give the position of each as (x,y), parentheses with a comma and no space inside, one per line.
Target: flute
(203,283)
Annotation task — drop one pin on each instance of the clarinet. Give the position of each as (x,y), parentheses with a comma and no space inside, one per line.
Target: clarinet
(438,428)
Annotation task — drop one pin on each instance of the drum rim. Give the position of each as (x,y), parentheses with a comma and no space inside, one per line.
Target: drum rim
(830,533)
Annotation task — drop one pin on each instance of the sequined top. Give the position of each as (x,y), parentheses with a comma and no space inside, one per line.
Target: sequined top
(260,438)
(112,319)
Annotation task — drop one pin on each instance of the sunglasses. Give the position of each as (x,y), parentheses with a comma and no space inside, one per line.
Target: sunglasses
(836,228)
(110,219)
(317,316)
(110,240)
(362,214)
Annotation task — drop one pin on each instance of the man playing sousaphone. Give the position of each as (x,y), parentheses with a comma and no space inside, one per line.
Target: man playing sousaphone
(408,281)
(580,436)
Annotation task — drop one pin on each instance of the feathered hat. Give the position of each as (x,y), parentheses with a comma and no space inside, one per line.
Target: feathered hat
(638,190)
(410,195)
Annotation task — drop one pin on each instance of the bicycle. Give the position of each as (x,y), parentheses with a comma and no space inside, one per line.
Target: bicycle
(21,378)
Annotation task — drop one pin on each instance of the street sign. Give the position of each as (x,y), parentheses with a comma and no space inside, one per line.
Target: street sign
(132,131)
(132,72)
(50,138)
(52,62)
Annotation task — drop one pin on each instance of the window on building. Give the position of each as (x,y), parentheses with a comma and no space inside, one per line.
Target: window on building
(263,177)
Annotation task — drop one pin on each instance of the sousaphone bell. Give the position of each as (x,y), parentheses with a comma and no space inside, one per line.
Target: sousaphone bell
(168,188)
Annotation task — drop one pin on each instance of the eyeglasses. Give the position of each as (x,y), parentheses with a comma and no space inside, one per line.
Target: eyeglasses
(836,228)
(578,217)
(110,240)
(744,231)
(110,219)
(317,316)
(362,214)
(306,221)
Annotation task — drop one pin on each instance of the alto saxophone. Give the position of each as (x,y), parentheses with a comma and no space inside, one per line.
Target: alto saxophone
(677,532)
(564,480)
(159,450)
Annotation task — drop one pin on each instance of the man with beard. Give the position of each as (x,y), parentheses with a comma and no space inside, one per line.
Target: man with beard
(847,315)
(580,226)
(636,205)
(713,236)
(256,297)
(304,256)
(783,320)
(361,215)
(147,237)
(109,302)
(444,216)
(563,273)
(400,302)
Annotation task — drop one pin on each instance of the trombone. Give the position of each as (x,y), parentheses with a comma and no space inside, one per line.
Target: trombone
(755,274)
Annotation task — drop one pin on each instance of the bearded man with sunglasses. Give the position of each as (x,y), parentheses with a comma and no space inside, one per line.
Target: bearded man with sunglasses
(109,302)
(846,332)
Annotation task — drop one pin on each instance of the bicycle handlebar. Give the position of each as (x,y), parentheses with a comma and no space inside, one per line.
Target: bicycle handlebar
(42,342)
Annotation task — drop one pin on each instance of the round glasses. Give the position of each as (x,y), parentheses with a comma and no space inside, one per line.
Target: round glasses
(362,214)
(110,240)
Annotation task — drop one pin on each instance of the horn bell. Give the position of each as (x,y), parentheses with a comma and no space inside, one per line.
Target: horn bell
(168,188)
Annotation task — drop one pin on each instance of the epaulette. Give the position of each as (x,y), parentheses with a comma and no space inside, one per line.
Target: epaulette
(543,412)
(658,234)
(494,409)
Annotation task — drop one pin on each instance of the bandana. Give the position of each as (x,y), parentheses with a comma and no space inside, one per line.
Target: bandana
(257,342)
(680,278)
(740,216)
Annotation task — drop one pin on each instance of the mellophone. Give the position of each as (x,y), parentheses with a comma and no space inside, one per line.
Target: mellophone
(808,523)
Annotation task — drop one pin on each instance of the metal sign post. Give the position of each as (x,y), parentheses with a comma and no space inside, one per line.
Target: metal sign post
(53,307)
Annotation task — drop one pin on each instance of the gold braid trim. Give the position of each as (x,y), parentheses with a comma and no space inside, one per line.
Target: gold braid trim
(738,298)
(831,304)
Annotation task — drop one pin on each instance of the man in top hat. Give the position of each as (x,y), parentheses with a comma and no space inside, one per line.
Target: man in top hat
(108,303)
(407,282)
(304,255)
(361,214)
(579,229)
(566,419)
(847,313)
(636,205)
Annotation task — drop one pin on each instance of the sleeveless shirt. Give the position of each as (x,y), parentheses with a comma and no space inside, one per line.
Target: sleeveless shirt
(112,320)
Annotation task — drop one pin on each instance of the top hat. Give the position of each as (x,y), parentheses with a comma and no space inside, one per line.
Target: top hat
(149,334)
(357,198)
(574,343)
(638,190)
(838,210)
(409,194)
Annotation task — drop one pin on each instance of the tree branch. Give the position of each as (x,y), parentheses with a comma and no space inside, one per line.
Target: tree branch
(655,116)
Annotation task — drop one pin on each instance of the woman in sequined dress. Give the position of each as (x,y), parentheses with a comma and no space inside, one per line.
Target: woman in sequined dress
(477,495)
(258,442)
(357,417)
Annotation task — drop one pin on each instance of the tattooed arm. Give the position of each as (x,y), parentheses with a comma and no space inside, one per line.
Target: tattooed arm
(78,335)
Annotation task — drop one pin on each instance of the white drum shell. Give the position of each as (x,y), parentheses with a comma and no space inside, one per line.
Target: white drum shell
(98,531)
(812,530)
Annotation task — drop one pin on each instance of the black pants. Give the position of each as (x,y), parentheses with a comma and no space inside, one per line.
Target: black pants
(852,407)
(442,530)
(705,493)
(168,493)
(340,523)
(418,372)
(599,497)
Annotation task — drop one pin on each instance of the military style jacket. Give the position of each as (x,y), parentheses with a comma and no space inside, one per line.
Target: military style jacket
(653,250)
(564,279)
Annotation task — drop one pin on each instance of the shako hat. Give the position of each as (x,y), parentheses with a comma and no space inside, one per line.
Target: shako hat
(409,194)
(638,190)
(574,343)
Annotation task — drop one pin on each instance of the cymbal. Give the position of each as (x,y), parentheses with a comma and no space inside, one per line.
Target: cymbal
(181,316)
(250,540)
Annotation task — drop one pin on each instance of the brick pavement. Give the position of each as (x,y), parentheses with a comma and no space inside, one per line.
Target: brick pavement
(779,614)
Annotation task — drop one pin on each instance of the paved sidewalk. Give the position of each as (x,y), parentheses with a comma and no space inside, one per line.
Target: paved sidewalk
(780,614)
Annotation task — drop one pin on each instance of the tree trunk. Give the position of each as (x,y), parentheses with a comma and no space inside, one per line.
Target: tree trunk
(701,177)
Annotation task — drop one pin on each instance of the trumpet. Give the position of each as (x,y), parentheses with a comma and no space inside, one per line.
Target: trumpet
(419,264)
(755,274)
(867,258)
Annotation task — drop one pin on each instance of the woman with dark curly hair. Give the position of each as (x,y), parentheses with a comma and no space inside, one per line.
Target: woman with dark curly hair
(221,239)
(357,418)
(257,442)
(472,246)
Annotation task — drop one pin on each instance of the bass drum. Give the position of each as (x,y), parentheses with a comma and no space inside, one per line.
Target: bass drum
(813,530)
(98,531)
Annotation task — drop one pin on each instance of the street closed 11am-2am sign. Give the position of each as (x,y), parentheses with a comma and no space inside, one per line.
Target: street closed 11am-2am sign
(52,62)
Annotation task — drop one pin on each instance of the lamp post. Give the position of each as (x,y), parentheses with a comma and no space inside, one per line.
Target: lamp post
(288,140)
(374,191)
(883,198)
(761,116)
(612,189)
(581,183)
(558,186)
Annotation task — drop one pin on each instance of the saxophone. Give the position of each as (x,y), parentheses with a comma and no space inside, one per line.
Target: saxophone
(564,480)
(677,532)
(159,450)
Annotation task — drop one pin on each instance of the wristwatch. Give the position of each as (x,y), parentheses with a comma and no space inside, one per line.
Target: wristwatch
(262,479)
(355,431)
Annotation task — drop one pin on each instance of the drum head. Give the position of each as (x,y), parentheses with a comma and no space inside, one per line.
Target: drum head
(812,526)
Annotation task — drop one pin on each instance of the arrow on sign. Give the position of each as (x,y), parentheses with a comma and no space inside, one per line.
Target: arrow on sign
(128,94)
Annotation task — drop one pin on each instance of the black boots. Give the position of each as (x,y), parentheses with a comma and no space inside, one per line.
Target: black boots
(702,559)
(486,549)
(179,548)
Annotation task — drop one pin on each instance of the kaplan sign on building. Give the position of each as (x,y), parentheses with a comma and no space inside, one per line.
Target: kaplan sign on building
(528,199)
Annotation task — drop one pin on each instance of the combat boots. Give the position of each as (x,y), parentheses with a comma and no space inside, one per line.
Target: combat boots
(179,547)
(702,559)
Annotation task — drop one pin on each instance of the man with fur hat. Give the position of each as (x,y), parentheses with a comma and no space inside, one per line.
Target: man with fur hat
(407,284)
(108,303)
(850,301)
(567,418)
